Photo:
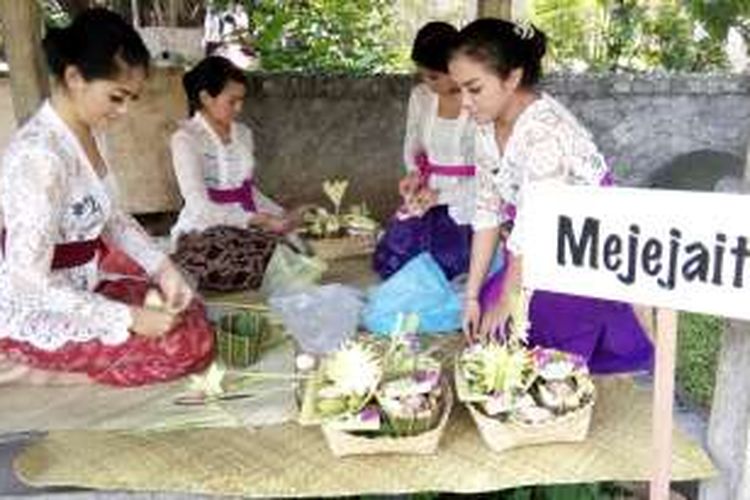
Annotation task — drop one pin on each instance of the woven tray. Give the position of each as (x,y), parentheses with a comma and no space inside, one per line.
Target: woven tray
(343,443)
(569,428)
(342,248)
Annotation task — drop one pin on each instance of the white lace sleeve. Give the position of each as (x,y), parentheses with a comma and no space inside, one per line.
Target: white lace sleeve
(544,160)
(41,306)
(488,202)
(413,135)
(188,167)
(128,235)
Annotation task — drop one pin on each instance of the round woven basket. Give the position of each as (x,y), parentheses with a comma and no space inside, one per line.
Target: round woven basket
(499,436)
(242,334)
(344,443)
(342,248)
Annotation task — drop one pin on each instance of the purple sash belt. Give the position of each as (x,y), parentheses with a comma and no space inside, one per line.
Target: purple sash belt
(242,195)
(71,254)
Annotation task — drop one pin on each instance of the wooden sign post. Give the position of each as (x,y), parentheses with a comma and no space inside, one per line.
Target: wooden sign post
(666,346)
(674,250)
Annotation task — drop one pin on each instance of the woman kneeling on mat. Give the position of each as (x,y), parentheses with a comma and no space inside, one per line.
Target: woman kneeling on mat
(60,221)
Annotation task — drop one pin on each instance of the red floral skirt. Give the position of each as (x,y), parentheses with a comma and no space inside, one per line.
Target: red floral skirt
(187,348)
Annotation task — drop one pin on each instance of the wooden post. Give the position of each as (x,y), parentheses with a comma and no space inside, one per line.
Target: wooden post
(22,22)
(519,10)
(135,13)
(494,8)
(173,13)
(666,342)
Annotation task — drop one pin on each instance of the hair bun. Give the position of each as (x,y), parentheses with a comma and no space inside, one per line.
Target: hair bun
(98,42)
(505,46)
(56,45)
(538,43)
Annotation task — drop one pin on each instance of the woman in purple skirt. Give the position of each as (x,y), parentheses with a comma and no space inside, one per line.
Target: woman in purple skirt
(524,136)
(439,187)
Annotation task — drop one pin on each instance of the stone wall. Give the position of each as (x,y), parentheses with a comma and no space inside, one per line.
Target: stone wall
(309,128)
(647,122)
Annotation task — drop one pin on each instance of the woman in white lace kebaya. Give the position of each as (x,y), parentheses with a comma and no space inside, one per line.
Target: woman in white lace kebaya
(525,136)
(60,217)
(438,189)
(227,228)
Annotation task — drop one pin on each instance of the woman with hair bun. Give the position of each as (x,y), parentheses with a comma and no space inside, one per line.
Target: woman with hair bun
(227,228)
(526,136)
(438,188)
(59,219)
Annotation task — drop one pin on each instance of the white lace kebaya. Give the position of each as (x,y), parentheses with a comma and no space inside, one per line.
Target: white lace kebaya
(50,194)
(547,143)
(448,142)
(202,162)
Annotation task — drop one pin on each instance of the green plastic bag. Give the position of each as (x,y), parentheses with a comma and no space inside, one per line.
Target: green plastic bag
(289,271)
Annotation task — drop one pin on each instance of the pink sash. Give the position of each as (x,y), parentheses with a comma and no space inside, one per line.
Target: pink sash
(427,169)
(242,195)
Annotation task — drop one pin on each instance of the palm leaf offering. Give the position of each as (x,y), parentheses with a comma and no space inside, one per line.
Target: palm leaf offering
(321,222)
(377,388)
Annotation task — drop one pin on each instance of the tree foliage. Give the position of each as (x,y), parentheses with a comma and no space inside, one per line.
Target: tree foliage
(635,35)
(352,36)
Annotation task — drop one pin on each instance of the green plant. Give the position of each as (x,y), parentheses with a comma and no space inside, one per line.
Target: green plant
(699,341)
(350,36)
(634,35)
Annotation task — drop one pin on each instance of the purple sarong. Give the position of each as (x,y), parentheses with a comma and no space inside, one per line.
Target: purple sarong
(606,333)
(435,232)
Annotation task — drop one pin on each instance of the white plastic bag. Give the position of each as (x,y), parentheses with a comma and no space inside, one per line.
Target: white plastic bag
(290,271)
(320,318)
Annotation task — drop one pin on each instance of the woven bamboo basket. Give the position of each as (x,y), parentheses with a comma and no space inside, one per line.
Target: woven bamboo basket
(243,332)
(344,443)
(342,248)
(499,436)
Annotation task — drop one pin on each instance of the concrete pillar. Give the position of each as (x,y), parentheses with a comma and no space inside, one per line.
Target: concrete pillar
(730,416)
(22,27)
(729,425)
(494,8)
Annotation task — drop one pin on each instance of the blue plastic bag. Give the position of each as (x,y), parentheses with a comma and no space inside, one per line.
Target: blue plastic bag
(420,287)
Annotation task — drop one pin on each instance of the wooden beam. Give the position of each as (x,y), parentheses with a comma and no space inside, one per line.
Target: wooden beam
(173,13)
(494,8)
(22,29)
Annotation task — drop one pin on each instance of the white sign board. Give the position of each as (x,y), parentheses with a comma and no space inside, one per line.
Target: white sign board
(674,249)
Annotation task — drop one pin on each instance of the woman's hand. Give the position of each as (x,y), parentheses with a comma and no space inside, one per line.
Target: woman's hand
(177,292)
(492,326)
(271,223)
(151,322)
(421,201)
(409,185)
(296,216)
(471,319)
(426,198)
(485,327)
